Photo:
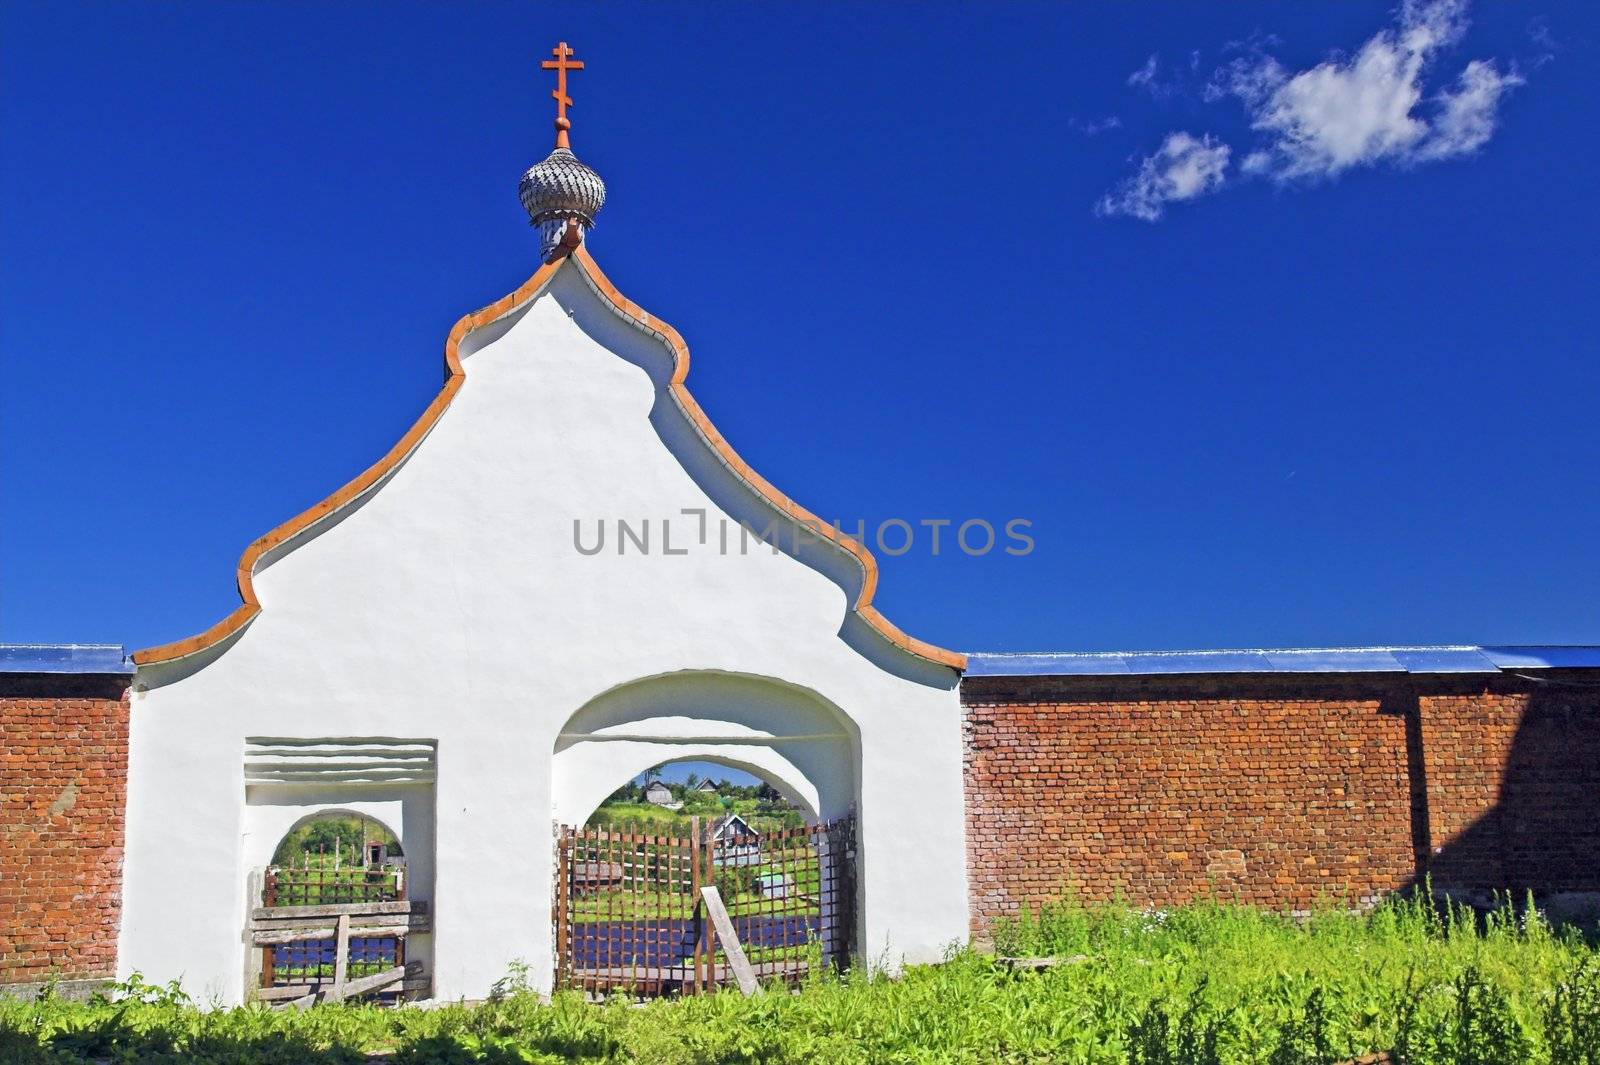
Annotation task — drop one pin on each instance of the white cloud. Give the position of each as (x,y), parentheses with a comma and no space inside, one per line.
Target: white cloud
(1256,164)
(1094,127)
(1185,167)
(1337,115)
(1540,37)
(1145,76)
(1366,109)
(1166,80)
(1467,111)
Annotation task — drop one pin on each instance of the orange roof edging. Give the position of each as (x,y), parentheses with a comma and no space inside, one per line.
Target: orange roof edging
(455,375)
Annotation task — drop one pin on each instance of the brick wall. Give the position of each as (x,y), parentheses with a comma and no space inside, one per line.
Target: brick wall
(63,781)
(1513,781)
(1275,790)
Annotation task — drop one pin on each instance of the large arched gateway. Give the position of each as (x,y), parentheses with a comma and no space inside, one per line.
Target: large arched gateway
(629,907)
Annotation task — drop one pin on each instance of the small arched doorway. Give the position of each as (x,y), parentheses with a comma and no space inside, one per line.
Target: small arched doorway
(335,855)
(313,808)
(667,885)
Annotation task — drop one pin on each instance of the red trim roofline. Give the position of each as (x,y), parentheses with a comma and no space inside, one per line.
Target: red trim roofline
(454,376)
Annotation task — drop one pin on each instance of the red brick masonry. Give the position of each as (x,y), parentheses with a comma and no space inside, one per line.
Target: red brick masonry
(63,782)
(1277,790)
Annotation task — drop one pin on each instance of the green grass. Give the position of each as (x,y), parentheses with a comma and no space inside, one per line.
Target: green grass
(1201,984)
(662,887)
(1257,969)
(323,884)
(618,904)
(619,813)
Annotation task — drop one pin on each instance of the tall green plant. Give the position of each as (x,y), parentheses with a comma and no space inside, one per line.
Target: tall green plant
(1153,1039)
(1572,1020)
(1478,1027)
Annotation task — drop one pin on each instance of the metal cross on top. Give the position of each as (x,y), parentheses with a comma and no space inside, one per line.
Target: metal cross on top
(562,63)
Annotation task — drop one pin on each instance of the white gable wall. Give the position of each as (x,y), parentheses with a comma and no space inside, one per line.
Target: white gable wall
(452,605)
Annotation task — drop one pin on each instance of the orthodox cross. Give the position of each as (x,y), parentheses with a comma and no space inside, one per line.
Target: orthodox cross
(562,63)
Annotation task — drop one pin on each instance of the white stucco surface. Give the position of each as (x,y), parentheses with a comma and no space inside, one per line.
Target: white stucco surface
(451,605)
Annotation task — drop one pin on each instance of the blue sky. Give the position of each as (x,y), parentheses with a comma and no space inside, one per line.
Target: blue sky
(1276,321)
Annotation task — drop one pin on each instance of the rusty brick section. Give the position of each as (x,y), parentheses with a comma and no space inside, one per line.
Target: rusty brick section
(1276,790)
(63,781)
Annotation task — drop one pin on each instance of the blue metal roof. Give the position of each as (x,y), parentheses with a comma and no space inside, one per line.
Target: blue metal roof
(1309,660)
(1543,657)
(64,658)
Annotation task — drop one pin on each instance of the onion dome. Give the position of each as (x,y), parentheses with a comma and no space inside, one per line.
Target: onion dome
(558,193)
(561,195)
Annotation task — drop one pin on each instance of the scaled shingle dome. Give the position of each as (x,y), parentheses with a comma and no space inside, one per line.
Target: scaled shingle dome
(557,191)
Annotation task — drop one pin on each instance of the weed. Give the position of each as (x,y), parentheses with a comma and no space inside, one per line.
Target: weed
(1572,1021)
(1206,984)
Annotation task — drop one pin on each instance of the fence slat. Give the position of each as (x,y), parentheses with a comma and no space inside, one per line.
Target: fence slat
(341,954)
(694,900)
(748,985)
(558,910)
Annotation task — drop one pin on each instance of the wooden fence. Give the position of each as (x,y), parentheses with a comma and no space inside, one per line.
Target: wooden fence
(629,913)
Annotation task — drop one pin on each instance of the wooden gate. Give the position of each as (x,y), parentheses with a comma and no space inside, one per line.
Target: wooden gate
(327,934)
(630,914)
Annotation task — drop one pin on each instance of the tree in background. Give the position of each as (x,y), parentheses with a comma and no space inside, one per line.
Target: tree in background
(341,834)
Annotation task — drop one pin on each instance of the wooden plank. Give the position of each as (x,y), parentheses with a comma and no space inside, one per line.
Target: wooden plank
(742,972)
(307,920)
(417,922)
(290,935)
(376,982)
(334,909)
(267,937)
(694,888)
(341,955)
(287,991)
(309,925)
